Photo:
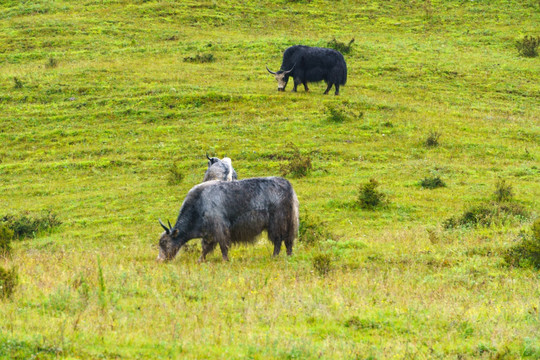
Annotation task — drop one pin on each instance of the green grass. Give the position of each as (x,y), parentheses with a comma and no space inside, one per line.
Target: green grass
(98,105)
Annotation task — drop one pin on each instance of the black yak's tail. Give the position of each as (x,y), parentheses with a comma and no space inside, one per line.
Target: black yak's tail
(344,74)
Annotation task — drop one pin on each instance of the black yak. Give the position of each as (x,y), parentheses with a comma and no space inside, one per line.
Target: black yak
(227,212)
(219,169)
(311,64)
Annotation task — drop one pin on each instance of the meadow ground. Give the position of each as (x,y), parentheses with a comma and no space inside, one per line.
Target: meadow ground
(99,100)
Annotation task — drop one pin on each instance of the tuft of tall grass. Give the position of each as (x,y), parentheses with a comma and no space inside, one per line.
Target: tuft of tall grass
(175,176)
(503,191)
(6,236)
(8,282)
(432,139)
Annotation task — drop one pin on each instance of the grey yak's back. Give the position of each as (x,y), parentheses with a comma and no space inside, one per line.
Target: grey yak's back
(247,207)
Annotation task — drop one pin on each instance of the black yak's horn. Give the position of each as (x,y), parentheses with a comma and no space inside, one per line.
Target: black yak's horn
(167,230)
(288,71)
(270,71)
(168,222)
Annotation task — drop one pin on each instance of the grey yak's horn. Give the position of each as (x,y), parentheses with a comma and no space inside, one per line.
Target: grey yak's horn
(270,71)
(167,230)
(208,156)
(288,71)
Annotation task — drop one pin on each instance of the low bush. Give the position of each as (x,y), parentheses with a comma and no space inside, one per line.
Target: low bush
(322,263)
(298,165)
(339,113)
(336,114)
(528,46)
(312,229)
(369,197)
(432,182)
(339,46)
(8,282)
(28,225)
(527,251)
(200,58)
(486,215)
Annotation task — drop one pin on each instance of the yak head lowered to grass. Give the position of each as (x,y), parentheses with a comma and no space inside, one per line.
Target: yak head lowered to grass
(227,212)
(311,64)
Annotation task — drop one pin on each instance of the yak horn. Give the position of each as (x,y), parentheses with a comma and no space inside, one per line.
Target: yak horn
(208,156)
(270,71)
(170,227)
(167,230)
(288,71)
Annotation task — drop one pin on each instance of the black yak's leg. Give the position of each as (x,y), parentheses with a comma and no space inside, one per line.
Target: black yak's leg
(277,247)
(296,83)
(207,247)
(337,89)
(328,88)
(305,86)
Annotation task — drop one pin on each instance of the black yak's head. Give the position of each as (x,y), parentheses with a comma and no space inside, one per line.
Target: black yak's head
(169,243)
(282,77)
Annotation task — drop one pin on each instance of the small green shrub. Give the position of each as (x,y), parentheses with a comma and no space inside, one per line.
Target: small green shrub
(368,197)
(433,139)
(200,58)
(528,46)
(335,114)
(527,251)
(8,282)
(339,113)
(51,63)
(432,182)
(26,225)
(359,324)
(503,191)
(175,175)
(322,263)
(312,229)
(298,165)
(339,46)
(18,84)
(486,215)
(6,235)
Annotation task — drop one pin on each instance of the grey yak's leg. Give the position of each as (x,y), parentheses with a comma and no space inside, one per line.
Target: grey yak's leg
(207,247)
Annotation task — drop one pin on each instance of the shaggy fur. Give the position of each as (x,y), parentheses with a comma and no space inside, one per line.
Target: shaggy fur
(220,169)
(227,212)
(312,64)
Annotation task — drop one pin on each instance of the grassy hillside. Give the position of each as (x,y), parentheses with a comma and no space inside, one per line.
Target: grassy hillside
(100,100)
